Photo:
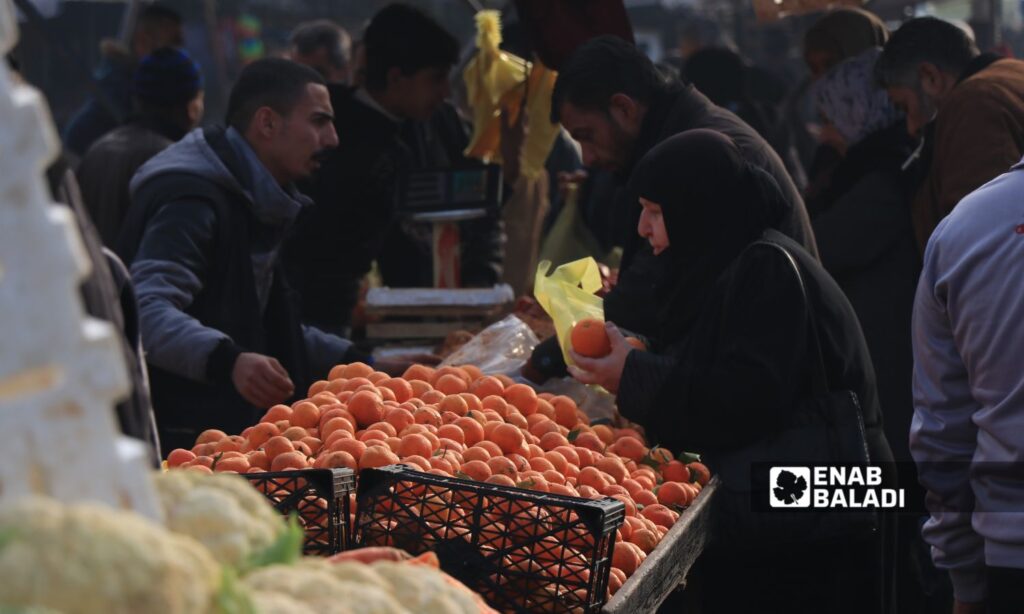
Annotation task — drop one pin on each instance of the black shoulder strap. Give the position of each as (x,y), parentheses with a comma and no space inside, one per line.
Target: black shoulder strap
(820,383)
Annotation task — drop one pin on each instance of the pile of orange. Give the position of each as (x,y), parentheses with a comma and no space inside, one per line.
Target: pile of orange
(455,421)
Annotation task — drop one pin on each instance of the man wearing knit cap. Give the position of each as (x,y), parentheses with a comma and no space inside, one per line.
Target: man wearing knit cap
(168,96)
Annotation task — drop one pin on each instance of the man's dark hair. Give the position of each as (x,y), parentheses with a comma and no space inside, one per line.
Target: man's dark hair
(324,34)
(599,69)
(403,37)
(271,82)
(925,39)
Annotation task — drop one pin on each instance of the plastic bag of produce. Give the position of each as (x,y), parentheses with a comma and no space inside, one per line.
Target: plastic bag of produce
(501,348)
(568,296)
(595,401)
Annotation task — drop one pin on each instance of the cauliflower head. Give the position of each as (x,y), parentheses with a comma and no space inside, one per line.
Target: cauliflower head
(87,558)
(222,511)
(312,583)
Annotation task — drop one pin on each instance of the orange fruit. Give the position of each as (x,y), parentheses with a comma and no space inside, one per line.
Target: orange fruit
(501,480)
(502,465)
(659,514)
(211,436)
(472,430)
(377,456)
(338,459)
(295,433)
(565,411)
(352,446)
(377,377)
(458,372)
(554,477)
(522,397)
(569,453)
(289,460)
(595,478)
(703,476)
(452,432)
(455,404)
(545,408)
(277,413)
(673,493)
(402,389)
(490,446)
(632,486)
(335,424)
(375,435)
(589,441)
(541,464)
(675,471)
(495,403)
(418,373)
(615,580)
(305,414)
(645,539)
(227,444)
(258,459)
(366,407)
(198,468)
(626,501)
(605,433)
(427,415)
(627,557)
(278,445)
(232,463)
(613,467)
(476,453)
(179,456)
(487,386)
(451,384)
(419,388)
(589,492)
(558,461)
(645,497)
(314,444)
(417,462)
(354,384)
(517,419)
(415,445)
(552,440)
(356,369)
(473,402)
(432,397)
(477,470)
(630,447)
(393,444)
(317,387)
(260,433)
(508,437)
(383,427)
(589,338)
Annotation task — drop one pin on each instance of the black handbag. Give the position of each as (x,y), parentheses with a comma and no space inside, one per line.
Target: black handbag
(827,429)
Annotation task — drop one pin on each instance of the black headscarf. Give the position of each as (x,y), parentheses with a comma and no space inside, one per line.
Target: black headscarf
(714,204)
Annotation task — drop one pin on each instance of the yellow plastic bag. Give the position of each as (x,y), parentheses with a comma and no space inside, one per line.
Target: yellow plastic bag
(567,295)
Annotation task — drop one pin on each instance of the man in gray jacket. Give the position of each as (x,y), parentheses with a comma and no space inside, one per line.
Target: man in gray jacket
(220,326)
(967,434)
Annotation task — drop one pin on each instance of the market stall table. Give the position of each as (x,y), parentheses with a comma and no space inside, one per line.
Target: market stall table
(667,565)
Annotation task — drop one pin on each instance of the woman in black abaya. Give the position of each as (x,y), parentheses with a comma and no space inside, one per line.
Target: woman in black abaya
(735,361)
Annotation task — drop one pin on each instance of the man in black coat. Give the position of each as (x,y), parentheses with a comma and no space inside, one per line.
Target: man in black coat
(618,106)
(397,122)
(168,93)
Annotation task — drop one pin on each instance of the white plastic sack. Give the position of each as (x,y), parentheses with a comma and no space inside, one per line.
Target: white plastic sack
(502,348)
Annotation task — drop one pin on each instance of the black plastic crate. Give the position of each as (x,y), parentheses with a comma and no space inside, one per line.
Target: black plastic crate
(523,551)
(320,497)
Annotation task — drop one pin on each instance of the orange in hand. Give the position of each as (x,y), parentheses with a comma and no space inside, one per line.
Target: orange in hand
(590,339)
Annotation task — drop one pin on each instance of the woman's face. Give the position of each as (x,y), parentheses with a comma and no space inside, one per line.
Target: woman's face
(652,226)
